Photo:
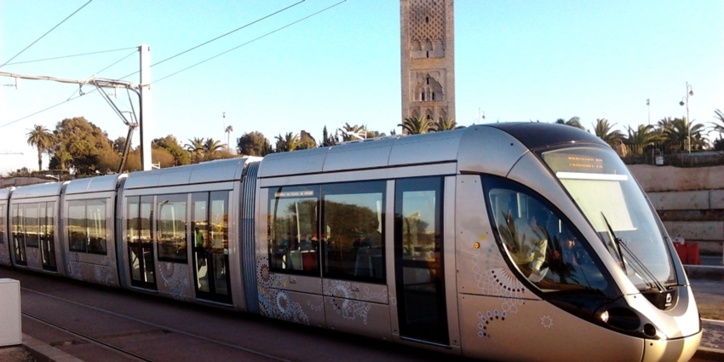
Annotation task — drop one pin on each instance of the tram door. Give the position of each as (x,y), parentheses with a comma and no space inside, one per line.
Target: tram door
(419,260)
(46,234)
(210,228)
(140,244)
(33,229)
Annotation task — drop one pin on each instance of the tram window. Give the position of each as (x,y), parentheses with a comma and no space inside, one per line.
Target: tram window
(542,244)
(30,224)
(219,221)
(87,226)
(352,239)
(293,234)
(171,224)
(2,224)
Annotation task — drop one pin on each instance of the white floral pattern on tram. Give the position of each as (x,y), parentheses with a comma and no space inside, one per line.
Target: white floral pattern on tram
(350,309)
(275,303)
(176,283)
(494,278)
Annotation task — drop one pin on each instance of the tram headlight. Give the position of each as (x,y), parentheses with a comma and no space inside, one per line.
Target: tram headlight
(627,320)
(603,317)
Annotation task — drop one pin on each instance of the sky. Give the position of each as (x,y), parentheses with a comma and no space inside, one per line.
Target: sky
(324,63)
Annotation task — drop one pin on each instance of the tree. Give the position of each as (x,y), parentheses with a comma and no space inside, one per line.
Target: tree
(352,132)
(327,140)
(604,130)
(211,146)
(718,125)
(253,144)
(228,131)
(79,144)
(42,139)
(306,141)
(172,146)
(573,122)
(446,124)
(416,125)
(638,140)
(119,144)
(682,135)
(196,148)
(286,143)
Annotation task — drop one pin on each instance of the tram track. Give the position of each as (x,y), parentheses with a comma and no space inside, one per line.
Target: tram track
(104,341)
(86,339)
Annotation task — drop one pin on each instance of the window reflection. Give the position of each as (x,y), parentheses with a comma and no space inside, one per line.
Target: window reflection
(294,238)
(87,226)
(171,226)
(349,244)
(353,234)
(543,245)
(2,224)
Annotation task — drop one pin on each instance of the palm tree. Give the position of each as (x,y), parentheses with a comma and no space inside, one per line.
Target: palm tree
(604,130)
(416,125)
(573,122)
(195,148)
(352,132)
(719,115)
(228,131)
(638,140)
(684,135)
(288,142)
(446,124)
(41,138)
(211,146)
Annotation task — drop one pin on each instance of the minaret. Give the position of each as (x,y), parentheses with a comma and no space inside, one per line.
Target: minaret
(428,59)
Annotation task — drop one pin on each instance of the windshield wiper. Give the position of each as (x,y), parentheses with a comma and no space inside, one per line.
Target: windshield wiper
(638,266)
(616,242)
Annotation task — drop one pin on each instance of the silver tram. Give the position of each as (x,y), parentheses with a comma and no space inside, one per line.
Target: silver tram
(520,241)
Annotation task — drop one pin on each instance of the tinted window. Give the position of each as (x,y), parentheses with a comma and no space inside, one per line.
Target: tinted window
(353,234)
(540,242)
(171,224)
(293,229)
(87,226)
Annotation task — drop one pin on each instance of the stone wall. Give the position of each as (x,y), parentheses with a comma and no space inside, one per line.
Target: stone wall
(690,201)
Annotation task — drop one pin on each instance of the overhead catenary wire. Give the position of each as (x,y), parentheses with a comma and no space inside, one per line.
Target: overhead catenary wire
(230,32)
(251,41)
(80,93)
(46,33)
(71,56)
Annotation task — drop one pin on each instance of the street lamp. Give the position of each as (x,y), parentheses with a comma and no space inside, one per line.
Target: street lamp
(689,92)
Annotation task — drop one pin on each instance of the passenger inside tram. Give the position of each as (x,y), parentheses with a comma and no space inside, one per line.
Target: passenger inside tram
(532,243)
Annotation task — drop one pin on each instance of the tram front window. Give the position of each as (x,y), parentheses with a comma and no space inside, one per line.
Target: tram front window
(613,203)
(542,244)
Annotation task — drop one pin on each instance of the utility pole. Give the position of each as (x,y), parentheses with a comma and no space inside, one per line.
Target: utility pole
(143,90)
(146,118)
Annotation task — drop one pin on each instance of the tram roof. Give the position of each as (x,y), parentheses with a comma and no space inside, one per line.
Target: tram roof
(38,190)
(491,148)
(206,172)
(93,184)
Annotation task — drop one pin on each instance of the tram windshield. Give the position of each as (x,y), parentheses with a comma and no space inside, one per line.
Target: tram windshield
(601,185)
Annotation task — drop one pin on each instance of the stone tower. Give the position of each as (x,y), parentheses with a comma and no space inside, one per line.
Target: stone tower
(428,59)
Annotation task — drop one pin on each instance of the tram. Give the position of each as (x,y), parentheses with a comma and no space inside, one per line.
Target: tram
(511,241)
